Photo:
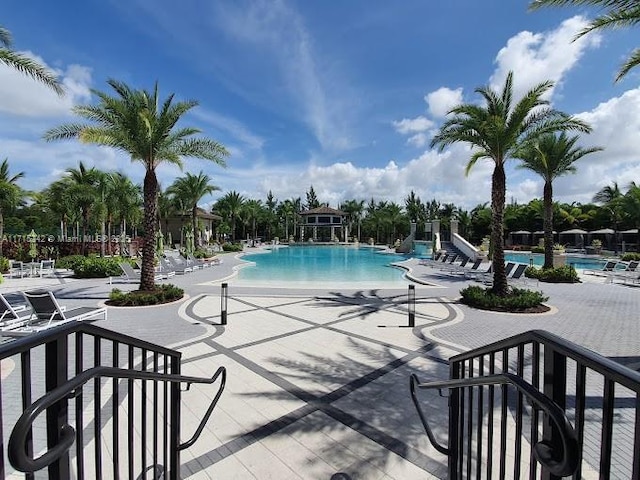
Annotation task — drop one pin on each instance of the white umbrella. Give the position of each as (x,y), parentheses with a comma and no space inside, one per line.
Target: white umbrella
(605,231)
(574,231)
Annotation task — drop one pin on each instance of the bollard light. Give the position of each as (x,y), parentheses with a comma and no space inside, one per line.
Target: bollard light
(223,303)
(411,305)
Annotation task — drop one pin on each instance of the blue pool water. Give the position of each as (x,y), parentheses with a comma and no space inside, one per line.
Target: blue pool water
(538,260)
(322,264)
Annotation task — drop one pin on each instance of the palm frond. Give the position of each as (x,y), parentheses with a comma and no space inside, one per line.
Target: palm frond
(64,132)
(5,37)
(632,61)
(31,68)
(616,19)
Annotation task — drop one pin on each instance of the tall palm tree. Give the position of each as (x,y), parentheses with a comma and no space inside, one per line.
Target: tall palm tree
(84,194)
(353,209)
(551,156)
(497,130)
(140,124)
(190,189)
(123,200)
(631,203)
(253,211)
(616,14)
(10,194)
(610,197)
(26,65)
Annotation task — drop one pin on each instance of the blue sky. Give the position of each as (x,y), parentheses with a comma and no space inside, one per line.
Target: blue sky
(341,95)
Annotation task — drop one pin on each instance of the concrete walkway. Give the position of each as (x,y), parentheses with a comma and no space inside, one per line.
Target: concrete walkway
(318,377)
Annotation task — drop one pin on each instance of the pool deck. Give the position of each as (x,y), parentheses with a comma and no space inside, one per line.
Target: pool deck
(318,376)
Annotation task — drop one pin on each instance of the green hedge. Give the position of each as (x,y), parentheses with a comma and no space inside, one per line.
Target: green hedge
(4,264)
(628,257)
(537,249)
(517,300)
(162,294)
(92,266)
(232,247)
(563,274)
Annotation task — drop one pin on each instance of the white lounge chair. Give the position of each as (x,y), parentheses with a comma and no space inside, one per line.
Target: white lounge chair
(177,267)
(17,269)
(131,275)
(12,316)
(48,313)
(47,267)
(610,266)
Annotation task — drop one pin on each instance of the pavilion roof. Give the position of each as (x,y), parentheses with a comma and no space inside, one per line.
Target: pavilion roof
(324,211)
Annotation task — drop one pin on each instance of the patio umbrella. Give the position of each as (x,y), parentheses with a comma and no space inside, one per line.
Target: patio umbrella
(603,231)
(32,238)
(169,239)
(189,242)
(159,243)
(123,244)
(574,231)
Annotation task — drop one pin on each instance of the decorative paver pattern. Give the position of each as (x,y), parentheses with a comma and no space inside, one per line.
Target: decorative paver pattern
(318,377)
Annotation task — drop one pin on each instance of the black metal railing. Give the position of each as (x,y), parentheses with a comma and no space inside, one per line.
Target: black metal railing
(124,421)
(537,406)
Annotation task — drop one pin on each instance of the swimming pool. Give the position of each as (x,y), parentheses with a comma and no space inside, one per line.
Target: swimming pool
(323,264)
(577,261)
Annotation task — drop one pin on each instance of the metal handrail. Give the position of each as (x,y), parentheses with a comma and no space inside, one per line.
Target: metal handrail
(590,359)
(17,447)
(563,464)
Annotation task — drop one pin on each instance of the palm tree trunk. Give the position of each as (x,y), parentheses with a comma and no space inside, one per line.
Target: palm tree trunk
(150,188)
(548,225)
(498,193)
(194,221)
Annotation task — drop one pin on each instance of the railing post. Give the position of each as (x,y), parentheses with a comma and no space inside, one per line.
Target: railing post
(411,305)
(174,440)
(454,418)
(56,361)
(555,387)
(223,303)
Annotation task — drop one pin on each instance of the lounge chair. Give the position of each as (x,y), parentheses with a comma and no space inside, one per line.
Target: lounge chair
(178,267)
(12,316)
(474,274)
(165,270)
(630,271)
(47,313)
(464,269)
(428,261)
(610,266)
(439,262)
(196,262)
(131,275)
(518,274)
(487,278)
(450,267)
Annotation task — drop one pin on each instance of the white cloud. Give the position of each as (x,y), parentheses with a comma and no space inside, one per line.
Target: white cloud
(538,57)
(22,96)
(235,128)
(418,140)
(442,100)
(413,125)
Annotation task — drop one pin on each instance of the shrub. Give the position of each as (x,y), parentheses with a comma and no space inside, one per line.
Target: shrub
(517,300)
(232,247)
(563,274)
(162,294)
(97,267)
(70,262)
(627,257)
(4,264)
(537,249)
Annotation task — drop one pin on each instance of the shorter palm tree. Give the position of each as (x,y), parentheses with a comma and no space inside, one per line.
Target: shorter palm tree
(551,156)
(611,198)
(189,190)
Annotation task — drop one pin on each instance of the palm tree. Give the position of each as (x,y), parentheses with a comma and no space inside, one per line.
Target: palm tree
(140,124)
(631,203)
(10,194)
(26,65)
(84,188)
(230,206)
(253,211)
(353,209)
(611,199)
(497,130)
(551,156)
(190,189)
(617,14)
(123,199)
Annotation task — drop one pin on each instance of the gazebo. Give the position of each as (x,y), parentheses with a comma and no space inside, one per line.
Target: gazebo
(606,235)
(524,235)
(324,221)
(578,236)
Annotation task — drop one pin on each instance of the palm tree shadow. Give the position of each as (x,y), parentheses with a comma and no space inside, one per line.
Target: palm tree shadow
(364,304)
(360,401)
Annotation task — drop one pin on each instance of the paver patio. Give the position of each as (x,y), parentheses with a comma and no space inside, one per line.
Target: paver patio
(318,378)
